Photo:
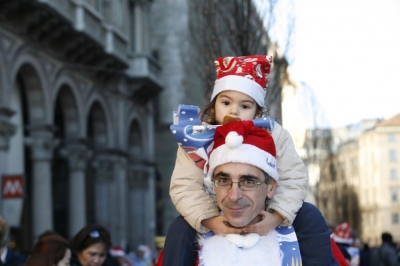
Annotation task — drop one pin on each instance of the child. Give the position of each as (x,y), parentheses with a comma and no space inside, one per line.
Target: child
(239,91)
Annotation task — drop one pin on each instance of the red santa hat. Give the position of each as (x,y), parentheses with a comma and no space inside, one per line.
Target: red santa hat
(343,234)
(117,251)
(246,74)
(243,142)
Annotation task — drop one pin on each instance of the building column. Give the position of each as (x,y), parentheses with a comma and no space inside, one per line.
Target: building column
(142,206)
(122,196)
(151,206)
(103,185)
(77,155)
(7,130)
(41,143)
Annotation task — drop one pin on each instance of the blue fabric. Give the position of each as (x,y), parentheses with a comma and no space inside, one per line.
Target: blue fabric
(313,234)
(14,259)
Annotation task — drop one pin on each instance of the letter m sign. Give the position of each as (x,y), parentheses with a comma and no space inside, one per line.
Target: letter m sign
(12,187)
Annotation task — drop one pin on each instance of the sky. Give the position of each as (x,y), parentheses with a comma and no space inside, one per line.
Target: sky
(347,52)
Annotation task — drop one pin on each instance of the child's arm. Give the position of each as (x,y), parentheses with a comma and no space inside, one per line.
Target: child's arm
(190,199)
(292,186)
(293,179)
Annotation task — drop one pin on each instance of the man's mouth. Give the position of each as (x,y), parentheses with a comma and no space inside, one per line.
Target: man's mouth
(235,209)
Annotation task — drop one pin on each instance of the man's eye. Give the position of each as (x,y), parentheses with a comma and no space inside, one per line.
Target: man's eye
(223,181)
(249,182)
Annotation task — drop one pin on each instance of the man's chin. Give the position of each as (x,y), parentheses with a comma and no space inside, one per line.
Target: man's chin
(239,221)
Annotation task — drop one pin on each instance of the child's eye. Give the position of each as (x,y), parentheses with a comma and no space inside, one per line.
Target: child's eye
(225,102)
(245,106)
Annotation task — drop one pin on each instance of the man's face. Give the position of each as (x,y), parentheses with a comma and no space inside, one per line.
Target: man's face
(241,207)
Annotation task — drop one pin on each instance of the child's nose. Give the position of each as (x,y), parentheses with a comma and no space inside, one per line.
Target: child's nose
(234,110)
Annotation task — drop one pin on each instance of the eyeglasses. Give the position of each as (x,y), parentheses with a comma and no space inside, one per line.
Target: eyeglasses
(244,184)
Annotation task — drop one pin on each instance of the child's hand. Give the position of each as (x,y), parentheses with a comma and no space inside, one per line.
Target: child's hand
(220,226)
(269,221)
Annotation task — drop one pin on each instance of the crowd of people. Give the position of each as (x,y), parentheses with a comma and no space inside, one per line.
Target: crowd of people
(358,253)
(91,246)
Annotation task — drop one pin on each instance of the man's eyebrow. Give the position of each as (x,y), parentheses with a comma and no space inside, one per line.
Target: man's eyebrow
(250,177)
(223,174)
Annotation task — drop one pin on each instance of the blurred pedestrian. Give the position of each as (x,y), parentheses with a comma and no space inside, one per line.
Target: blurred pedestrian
(90,247)
(51,250)
(8,257)
(119,253)
(142,256)
(385,255)
(365,256)
(343,237)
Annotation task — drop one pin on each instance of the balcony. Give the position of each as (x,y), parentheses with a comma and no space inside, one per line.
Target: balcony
(143,73)
(72,29)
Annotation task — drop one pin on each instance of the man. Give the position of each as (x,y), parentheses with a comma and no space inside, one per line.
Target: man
(7,256)
(243,172)
(385,255)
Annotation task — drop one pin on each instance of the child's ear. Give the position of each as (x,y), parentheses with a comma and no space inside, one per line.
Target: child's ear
(258,114)
(212,110)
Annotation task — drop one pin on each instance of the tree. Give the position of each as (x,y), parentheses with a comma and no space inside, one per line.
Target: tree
(233,28)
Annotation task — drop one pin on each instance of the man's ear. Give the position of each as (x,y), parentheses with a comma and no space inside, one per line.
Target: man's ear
(271,189)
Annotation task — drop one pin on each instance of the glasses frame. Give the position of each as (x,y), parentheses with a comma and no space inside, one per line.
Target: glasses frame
(266,181)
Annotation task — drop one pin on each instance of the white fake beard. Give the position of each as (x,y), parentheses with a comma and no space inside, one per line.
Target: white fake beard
(219,251)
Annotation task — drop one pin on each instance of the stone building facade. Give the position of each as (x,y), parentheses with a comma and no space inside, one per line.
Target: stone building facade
(77,88)
(378,166)
(360,183)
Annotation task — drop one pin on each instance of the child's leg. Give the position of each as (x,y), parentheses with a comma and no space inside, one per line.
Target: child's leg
(180,247)
(313,235)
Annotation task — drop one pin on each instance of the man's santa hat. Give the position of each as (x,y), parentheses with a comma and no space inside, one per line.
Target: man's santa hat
(242,142)
(246,74)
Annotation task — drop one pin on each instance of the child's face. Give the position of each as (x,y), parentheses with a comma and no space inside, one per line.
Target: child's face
(234,104)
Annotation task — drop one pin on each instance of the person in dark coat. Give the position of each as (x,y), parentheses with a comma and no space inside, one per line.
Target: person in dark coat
(385,255)
(8,256)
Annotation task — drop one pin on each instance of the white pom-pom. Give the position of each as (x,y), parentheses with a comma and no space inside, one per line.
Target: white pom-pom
(233,140)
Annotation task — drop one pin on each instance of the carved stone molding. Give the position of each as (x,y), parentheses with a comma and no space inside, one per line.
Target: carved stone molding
(42,147)
(108,164)
(104,170)
(77,156)
(137,179)
(7,129)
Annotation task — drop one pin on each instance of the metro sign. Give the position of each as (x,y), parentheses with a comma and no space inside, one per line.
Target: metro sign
(12,187)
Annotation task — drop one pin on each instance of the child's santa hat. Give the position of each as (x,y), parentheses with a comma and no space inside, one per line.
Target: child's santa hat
(242,142)
(246,74)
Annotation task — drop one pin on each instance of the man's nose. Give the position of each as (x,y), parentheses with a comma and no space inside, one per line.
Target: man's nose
(235,193)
